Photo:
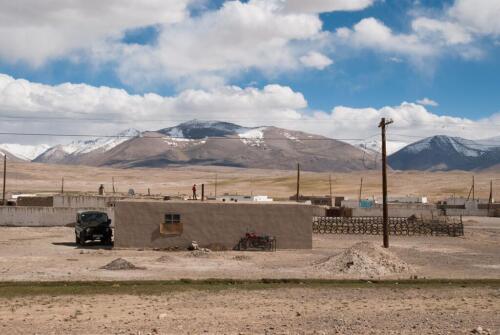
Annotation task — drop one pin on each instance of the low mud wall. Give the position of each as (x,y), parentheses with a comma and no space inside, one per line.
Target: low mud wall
(400,210)
(41,216)
(149,224)
(83,201)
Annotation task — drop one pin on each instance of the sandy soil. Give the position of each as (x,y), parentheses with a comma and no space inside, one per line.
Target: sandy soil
(48,254)
(276,311)
(31,177)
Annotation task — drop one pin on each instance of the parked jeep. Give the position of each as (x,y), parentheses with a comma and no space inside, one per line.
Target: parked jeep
(91,226)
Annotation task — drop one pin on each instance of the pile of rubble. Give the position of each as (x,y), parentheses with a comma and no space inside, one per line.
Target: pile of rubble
(121,264)
(364,259)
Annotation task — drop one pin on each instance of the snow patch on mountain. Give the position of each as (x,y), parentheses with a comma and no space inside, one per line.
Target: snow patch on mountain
(375,146)
(290,136)
(100,143)
(462,146)
(252,136)
(24,152)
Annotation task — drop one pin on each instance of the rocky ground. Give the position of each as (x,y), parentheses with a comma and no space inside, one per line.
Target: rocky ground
(356,310)
(49,254)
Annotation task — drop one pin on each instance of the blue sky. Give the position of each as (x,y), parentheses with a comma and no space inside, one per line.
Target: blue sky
(374,55)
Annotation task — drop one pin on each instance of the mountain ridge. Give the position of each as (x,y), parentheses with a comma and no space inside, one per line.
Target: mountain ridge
(444,153)
(215,143)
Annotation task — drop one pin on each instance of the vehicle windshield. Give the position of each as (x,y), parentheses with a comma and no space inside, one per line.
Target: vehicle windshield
(94,217)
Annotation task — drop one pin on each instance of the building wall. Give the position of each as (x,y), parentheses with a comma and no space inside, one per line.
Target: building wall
(138,223)
(400,210)
(35,201)
(40,216)
(83,201)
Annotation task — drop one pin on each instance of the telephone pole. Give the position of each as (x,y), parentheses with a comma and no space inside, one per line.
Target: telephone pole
(216,186)
(298,182)
(62,185)
(360,190)
(473,189)
(4,177)
(383,124)
(113,183)
(331,197)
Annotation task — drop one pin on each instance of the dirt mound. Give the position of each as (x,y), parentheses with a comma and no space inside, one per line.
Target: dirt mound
(364,259)
(165,259)
(120,264)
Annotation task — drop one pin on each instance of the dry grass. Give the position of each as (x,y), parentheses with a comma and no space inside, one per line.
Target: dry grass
(33,177)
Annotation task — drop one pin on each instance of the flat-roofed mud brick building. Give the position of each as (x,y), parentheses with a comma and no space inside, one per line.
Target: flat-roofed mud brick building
(168,224)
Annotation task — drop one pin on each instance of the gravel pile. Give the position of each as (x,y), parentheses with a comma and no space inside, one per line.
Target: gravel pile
(120,264)
(202,252)
(164,259)
(364,259)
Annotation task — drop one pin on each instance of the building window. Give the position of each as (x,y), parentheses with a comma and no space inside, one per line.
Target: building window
(172,225)
(172,218)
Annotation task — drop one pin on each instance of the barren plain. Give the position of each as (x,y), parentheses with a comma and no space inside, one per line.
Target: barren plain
(37,177)
(49,285)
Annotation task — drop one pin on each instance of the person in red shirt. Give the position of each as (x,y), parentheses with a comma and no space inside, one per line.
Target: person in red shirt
(194,192)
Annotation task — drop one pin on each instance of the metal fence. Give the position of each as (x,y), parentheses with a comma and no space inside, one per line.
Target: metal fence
(397,226)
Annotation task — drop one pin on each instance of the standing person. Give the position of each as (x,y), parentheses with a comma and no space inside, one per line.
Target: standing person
(194,192)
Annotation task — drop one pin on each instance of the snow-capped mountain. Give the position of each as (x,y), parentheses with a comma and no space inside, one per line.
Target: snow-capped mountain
(23,151)
(76,149)
(375,146)
(447,153)
(213,143)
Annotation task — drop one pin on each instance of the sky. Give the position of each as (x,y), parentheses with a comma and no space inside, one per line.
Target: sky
(331,67)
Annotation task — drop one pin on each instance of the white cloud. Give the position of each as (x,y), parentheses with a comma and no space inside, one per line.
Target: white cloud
(451,33)
(222,44)
(427,102)
(480,16)
(322,6)
(373,34)
(456,30)
(411,121)
(84,109)
(316,60)
(36,31)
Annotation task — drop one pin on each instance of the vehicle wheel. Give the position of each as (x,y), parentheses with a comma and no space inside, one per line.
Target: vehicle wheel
(82,240)
(106,240)
(77,239)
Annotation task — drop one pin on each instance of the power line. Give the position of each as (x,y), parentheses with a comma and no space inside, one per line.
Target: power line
(180,137)
(120,120)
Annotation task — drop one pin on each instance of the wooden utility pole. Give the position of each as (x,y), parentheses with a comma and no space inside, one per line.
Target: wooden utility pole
(62,185)
(113,183)
(383,124)
(331,196)
(473,189)
(216,186)
(298,182)
(360,190)
(490,200)
(4,177)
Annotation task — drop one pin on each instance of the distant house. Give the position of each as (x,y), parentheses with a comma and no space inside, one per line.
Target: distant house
(244,198)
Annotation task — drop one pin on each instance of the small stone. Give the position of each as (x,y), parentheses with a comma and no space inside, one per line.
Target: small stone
(162,316)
